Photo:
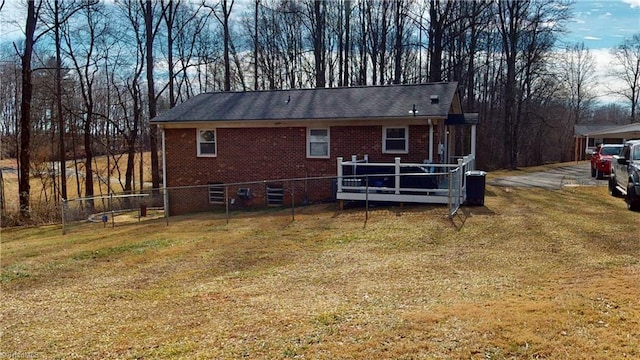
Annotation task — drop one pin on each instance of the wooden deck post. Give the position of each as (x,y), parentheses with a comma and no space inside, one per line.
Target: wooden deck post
(397,172)
(339,176)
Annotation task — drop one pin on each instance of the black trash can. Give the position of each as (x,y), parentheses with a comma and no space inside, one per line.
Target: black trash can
(475,187)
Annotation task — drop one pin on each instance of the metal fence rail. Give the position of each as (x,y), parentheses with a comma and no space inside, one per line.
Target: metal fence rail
(230,198)
(105,209)
(458,183)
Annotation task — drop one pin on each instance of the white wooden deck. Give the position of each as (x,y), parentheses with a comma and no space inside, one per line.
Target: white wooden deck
(359,180)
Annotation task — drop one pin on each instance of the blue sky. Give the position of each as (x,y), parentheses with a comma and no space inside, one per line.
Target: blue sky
(603,23)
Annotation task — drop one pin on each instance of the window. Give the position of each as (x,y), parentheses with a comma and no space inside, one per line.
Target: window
(318,143)
(395,140)
(216,193)
(206,142)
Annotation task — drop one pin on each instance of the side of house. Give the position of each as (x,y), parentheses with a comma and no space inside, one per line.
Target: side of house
(231,138)
(271,154)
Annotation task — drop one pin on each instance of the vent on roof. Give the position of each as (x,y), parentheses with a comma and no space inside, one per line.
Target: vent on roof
(435,99)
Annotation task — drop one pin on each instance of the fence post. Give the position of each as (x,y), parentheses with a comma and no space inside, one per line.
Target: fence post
(113,220)
(165,198)
(266,193)
(461,181)
(293,200)
(450,195)
(366,200)
(226,201)
(63,218)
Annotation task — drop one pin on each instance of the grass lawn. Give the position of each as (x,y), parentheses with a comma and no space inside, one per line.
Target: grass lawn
(533,274)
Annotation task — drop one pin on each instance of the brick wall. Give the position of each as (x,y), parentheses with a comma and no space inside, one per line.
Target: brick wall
(256,154)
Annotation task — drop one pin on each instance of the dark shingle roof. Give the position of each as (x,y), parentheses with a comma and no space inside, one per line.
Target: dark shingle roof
(583,130)
(390,101)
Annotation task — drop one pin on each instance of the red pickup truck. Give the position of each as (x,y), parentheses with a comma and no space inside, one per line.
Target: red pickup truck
(601,159)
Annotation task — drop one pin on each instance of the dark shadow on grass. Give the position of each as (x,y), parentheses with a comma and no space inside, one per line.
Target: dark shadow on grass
(478,210)
(458,219)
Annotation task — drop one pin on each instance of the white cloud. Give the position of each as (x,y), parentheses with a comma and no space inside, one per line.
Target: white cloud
(633,3)
(592,38)
(605,64)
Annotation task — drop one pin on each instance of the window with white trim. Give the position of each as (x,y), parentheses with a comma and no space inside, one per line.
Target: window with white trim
(395,140)
(207,142)
(318,143)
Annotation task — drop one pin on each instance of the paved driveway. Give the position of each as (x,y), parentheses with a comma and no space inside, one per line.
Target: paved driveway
(570,175)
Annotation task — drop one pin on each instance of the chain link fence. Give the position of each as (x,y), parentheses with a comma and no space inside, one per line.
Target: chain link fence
(230,198)
(113,209)
(243,196)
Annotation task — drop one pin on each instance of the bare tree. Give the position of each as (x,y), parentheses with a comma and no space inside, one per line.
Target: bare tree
(151,30)
(223,17)
(24,187)
(316,14)
(82,43)
(399,22)
(576,71)
(54,16)
(527,34)
(627,56)
(576,74)
(185,24)
(9,107)
(255,45)
(130,94)
(345,47)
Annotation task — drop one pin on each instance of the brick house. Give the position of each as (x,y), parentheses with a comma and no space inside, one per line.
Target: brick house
(231,137)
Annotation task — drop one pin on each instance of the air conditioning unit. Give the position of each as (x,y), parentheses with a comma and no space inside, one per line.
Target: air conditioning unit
(244,193)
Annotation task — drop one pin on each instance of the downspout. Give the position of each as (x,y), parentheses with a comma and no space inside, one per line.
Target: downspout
(164,174)
(445,147)
(430,142)
(473,141)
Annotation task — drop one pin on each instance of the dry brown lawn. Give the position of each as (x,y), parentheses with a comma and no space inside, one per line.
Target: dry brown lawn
(533,274)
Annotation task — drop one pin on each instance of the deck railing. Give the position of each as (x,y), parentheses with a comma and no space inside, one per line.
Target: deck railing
(404,182)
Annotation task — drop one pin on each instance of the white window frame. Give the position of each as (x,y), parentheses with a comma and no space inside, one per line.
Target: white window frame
(309,141)
(406,140)
(199,141)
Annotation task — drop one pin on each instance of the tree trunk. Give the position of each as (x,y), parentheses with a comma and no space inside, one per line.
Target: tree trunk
(318,44)
(347,41)
(24,187)
(153,129)
(399,18)
(435,42)
(61,122)
(227,61)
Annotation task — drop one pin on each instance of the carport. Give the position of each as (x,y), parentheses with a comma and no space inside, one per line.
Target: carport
(628,132)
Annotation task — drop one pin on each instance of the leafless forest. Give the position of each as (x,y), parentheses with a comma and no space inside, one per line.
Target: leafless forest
(84,77)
